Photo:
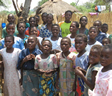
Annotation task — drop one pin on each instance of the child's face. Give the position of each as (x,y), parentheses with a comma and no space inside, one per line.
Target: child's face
(65,45)
(37,20)
(106,57)
(97,24)
(105,42)
(49,19)
(32,22)
(83,21)
(46,47)
(11,18)
(31,43)
(10,29)
(80,44)
(93,33)
(104,28)
(73,28)
(21,28)
(44,18)
(9,42)
(55,31)
(34,31)
(94,57)
(68,16)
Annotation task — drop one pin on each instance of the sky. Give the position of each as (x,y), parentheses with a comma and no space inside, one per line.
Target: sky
(35,3)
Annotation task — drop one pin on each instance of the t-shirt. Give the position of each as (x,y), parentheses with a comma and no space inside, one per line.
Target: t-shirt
(65,29)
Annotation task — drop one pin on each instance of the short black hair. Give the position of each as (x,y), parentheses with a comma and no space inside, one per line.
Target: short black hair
(35,37)
(55,25)
(82,17)
(83,36)
(31,18)
(98,48)
(98,21)
(108,46)
(94,28)
(67,39)
(9,24)
(11,36)
(68,11)
(107,39)
(20,23)
(30,28)
(77,24)
(48,41)
(105,24)
(50,14)
(44,14)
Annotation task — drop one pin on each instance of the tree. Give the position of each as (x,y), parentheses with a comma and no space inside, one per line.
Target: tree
(2,3)
(42,2)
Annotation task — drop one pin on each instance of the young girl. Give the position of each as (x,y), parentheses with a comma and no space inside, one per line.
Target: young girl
(18,43)
(106,41)
(73,29)
(81,60)
(66,61)
(83,29)
(93,32)
(32,22)
(55,39)
(21,29)
(10,59)
(46,65)
(103,83)
(26,64)
(94,58)
(100,35)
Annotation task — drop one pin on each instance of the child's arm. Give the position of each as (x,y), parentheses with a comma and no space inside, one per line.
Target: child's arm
(90,84)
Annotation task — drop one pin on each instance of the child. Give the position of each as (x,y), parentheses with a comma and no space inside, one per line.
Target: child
(11,19)
(100,35)
(93,32)
(83,29)
(10,59)
(81,60)
(46,30)
(66,61)
(73,29)
(66,25)
(37,20)
(106,41)
(21,29)
(104,29)
(94,58)
(26,64)
(18,43)
(46,65)
(103,83)
(32,22)
(55,39)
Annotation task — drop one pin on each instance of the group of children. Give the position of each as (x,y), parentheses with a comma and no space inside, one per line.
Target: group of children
(46,60)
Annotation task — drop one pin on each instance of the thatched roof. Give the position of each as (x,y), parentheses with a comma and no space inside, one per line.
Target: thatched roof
(56,7)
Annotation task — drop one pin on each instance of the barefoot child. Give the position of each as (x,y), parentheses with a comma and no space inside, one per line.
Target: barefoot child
(81,60)
(83,29)
(46,65)
(73,29)
(26,64)
(94,58)
(66,61)
(93,32)
(10,59)
(103,83)
(55,39)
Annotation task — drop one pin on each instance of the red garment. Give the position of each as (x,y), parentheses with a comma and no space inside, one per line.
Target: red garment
(27,32)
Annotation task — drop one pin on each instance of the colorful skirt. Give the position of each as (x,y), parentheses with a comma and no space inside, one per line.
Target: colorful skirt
(30,83)
(47,85)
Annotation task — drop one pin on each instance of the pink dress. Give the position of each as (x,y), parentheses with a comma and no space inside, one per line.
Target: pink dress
(103,84)
(11,78)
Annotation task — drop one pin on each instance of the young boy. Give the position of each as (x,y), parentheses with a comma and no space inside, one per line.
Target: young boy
(11,19)
(66,25)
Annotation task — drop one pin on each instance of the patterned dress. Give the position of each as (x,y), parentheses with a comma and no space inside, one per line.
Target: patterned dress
(11,77)
(46,83)
(66,75)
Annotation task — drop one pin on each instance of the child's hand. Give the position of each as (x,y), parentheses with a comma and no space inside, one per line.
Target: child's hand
(27,58)
(78,71)
(32,56)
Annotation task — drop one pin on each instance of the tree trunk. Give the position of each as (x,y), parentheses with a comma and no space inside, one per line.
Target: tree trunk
(26,10)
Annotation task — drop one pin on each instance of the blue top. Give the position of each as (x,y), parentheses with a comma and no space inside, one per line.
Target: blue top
(44,32)
(29,65)
(18,43)
(100,37)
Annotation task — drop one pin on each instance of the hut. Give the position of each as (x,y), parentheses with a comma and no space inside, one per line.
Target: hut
(56,7)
